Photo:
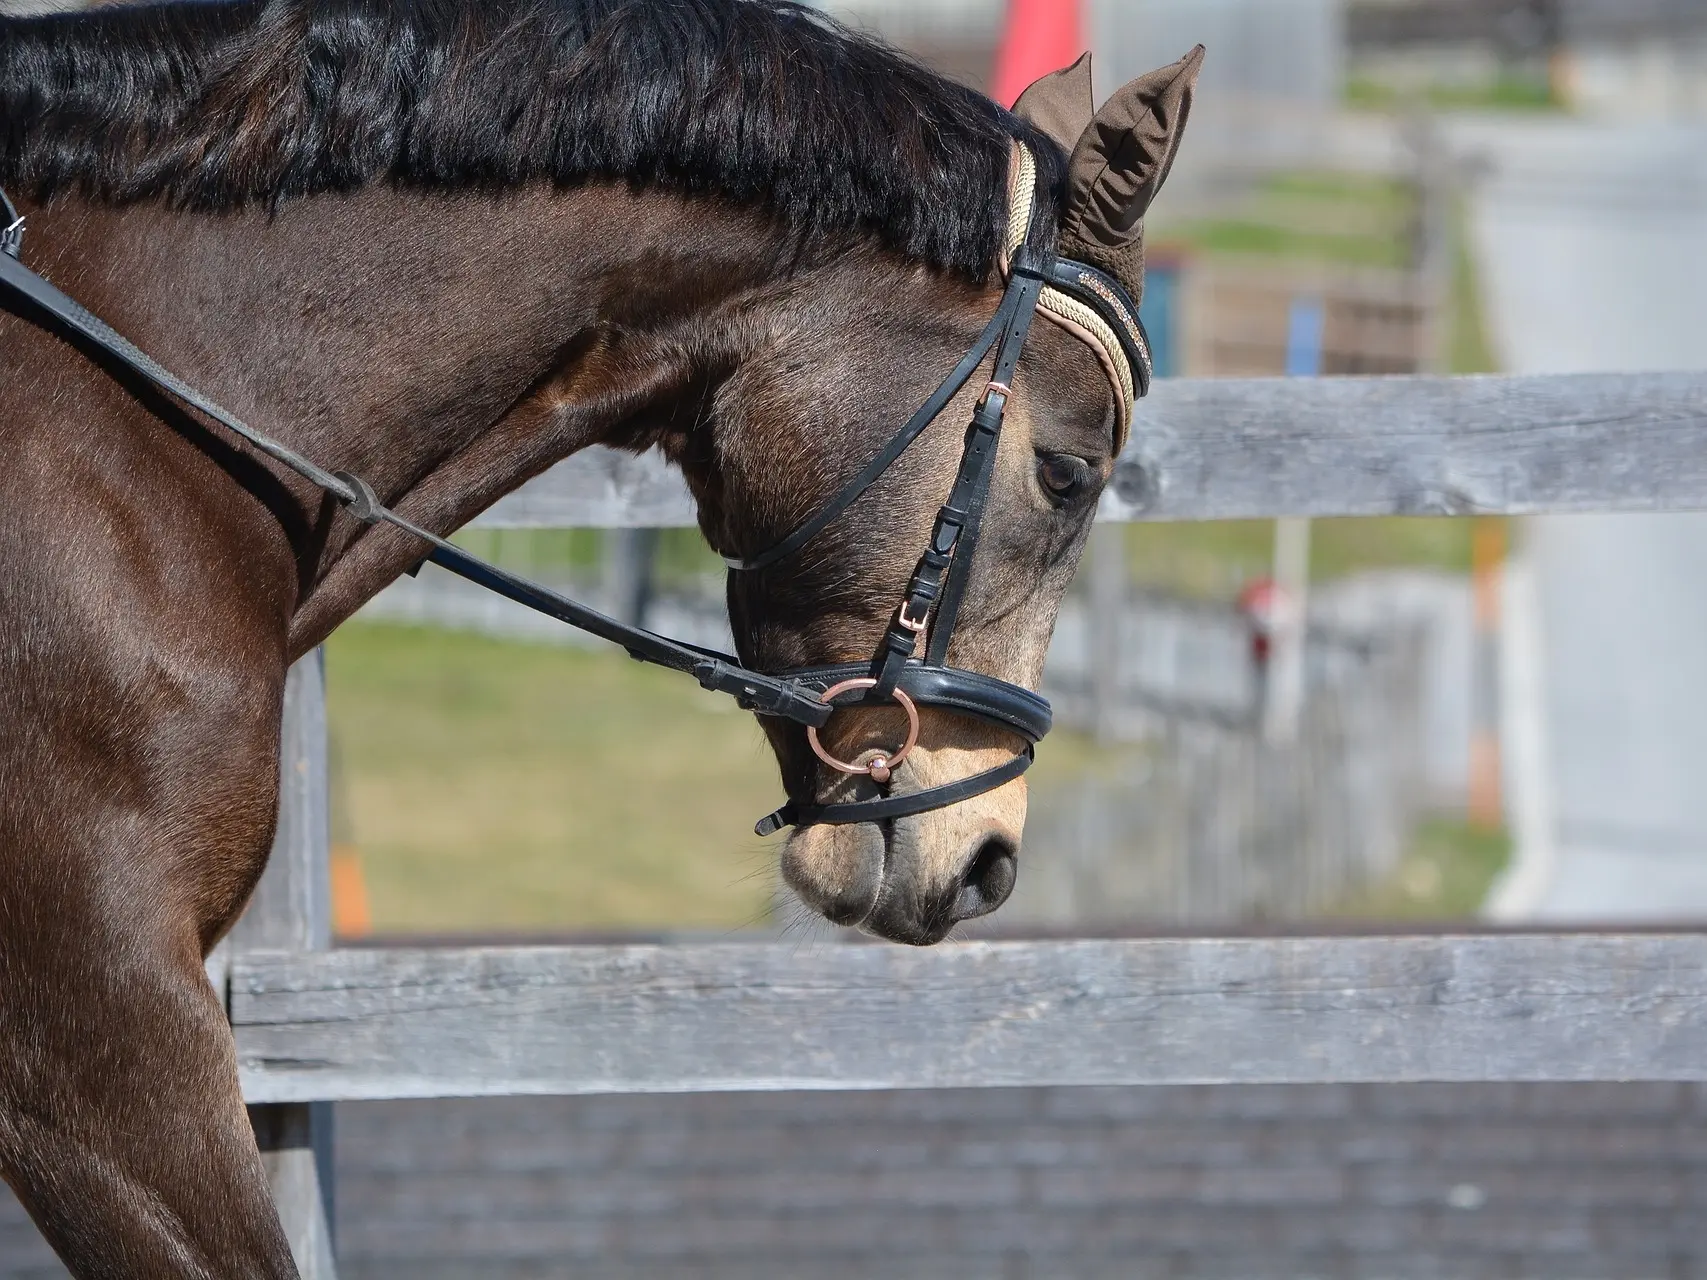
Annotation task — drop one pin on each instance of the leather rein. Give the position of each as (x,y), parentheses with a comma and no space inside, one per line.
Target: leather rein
(1088,302)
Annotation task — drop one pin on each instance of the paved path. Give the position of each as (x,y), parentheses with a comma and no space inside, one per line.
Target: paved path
(1593,245)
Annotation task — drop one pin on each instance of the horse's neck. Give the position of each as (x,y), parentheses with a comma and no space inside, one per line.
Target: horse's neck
(444,348)
(385,331)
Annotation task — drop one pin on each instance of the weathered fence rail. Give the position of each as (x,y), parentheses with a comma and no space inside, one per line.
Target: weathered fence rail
(315,1025)
(1212,449)
(645,1019)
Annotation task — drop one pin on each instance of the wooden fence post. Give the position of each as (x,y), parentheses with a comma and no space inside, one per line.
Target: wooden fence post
(292,911)
(1108,595)
(630,557)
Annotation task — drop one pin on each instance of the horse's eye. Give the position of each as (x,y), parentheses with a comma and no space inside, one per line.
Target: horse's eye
(1063,476)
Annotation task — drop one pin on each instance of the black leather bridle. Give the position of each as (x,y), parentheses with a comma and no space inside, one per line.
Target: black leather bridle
(808,695)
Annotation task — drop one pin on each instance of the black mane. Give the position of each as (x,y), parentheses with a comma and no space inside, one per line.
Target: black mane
(222,106)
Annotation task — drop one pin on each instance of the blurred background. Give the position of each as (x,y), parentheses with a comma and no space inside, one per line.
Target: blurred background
(1346,725)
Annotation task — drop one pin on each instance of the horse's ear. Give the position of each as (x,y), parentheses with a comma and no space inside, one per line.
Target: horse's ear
(1060,103)
(1119,164)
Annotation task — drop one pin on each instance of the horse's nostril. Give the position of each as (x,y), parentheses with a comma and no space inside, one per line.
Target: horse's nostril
(988,881)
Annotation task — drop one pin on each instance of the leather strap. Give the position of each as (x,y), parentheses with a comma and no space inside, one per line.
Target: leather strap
(719,672)
(11,227)
(903,806)
(1106,296)
(955,531)
(914,427)
(983,465)
(970,693)
(46,303)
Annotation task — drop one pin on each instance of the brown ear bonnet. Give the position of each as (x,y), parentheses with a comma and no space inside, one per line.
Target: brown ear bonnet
(1119,163)
(1119,158)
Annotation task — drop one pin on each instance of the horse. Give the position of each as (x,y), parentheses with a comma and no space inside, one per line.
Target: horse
(443,244)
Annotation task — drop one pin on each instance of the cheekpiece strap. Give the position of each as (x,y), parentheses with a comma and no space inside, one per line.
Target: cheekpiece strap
(933,594)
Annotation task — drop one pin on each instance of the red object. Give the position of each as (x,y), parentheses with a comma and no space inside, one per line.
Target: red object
(1265,607)
(1039,36)
(1261,601)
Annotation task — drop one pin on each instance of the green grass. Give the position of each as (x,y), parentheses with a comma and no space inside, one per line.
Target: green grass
(494,785)
(1508,91)
(1469,347)
(1342,219)
(1445,875)
(1252,238)
(1211,560)
(682,553)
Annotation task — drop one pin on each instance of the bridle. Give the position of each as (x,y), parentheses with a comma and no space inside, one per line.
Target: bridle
(1096,309)
(1087,302)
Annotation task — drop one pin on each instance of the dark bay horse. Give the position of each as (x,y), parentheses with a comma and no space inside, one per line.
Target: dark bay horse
(444,244)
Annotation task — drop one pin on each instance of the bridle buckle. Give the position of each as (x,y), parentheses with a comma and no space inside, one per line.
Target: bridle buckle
(915,625)
(993,387)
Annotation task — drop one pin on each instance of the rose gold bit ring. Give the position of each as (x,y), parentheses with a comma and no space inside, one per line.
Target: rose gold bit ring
(880,767)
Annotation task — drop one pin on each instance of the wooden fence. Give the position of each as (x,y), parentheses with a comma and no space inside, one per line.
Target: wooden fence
(1206,821)
(316,1025)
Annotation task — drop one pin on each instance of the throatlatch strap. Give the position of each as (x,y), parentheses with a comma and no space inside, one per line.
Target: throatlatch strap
(898,444)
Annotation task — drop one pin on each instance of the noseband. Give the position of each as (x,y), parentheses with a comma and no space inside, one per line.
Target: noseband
(1088,303)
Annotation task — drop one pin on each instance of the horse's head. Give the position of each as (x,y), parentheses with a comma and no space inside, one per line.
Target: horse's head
(849,351)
